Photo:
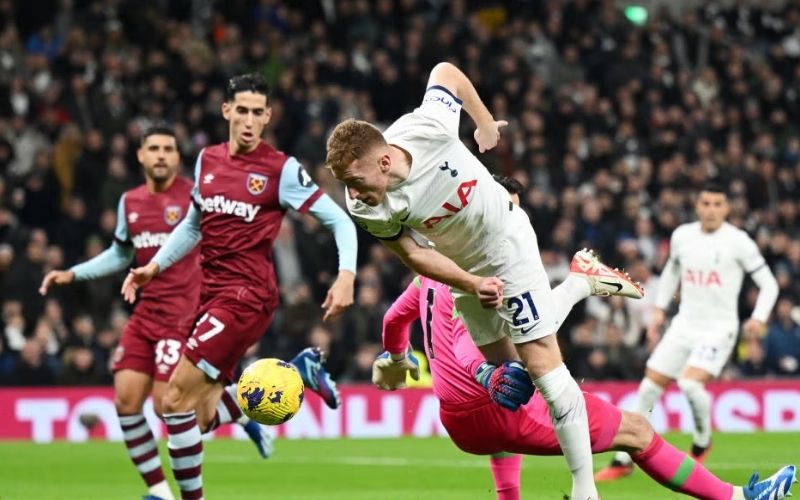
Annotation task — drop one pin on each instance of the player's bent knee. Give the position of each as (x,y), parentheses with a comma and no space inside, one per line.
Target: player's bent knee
(635,433)
(127,405)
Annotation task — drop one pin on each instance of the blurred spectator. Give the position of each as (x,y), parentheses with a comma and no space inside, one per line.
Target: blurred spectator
(612,127)
(32,367)
(783,339)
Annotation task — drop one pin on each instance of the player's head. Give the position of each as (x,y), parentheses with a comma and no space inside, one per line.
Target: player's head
(158,154)
(513,186)
(712,206)
(247,110)
(359,156)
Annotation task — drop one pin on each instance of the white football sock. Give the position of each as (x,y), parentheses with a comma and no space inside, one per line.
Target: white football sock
(568,413)
(573,290)
(649,392)
(700,402)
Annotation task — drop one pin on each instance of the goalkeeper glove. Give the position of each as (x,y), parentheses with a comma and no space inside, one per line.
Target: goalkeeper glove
(390,374)
(509,384)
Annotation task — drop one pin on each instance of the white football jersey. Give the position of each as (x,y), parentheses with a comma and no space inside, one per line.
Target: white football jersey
(711,267)
(449,196)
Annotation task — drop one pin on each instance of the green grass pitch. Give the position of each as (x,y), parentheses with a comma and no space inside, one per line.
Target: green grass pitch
(351,469)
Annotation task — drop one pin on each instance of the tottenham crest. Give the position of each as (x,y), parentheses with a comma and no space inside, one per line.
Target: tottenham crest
(256,183)
(172,214)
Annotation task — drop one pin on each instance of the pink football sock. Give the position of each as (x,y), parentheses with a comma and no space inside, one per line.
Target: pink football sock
(505,470)
(679,472)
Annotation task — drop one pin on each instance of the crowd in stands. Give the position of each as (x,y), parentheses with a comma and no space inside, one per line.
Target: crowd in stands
(612,128)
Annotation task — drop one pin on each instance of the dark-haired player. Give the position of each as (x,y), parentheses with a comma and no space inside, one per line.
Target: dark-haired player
(242,189)
(154,336)
(708,259)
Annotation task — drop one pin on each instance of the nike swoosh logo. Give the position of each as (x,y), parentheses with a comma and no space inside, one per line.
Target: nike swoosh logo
(526,330)
(619,287)
(405,218)
(560,418)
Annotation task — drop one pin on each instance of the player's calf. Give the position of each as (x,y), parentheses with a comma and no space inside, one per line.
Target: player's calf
(602,279)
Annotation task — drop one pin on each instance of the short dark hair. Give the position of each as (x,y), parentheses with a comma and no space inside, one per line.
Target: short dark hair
(512,185)
(158,129)
(250,82)
(714,186)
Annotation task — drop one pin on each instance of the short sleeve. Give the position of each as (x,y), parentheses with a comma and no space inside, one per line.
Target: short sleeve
(297,189)
(749,257)
(444,107)
(198,165)
(121,234)
(383,230)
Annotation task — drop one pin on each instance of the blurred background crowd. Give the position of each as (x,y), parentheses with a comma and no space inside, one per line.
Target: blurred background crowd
(613,125)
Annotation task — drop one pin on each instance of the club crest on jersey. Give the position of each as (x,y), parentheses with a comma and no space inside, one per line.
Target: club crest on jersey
(256,183)
(172,214)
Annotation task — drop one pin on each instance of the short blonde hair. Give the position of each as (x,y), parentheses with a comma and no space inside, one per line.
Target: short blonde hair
(349,141)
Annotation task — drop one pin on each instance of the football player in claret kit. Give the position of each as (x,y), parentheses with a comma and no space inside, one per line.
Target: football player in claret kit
(242,190)
(155,334)
(708,260)
(418,178)
(464,383)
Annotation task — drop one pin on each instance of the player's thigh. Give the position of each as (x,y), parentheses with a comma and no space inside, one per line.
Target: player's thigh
(223,333)
(135,351)
(500,351)
(672,352)
(540,356)
(131,389)
(481,429)
(485,326)
(709,356)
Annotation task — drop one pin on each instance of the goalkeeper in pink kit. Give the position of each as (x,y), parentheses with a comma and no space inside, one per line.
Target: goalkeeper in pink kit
(480,404)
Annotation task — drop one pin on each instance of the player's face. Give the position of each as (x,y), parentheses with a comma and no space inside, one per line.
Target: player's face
(247,116)
(159,157)
(367,178)
(712,209)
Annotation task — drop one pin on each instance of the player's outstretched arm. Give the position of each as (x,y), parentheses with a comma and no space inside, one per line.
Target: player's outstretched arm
(331,215)
(399,317)
(114,259)
(487,131)
(428,262)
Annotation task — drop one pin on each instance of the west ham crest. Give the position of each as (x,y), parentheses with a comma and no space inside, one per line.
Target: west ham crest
(172,214)
(256,183)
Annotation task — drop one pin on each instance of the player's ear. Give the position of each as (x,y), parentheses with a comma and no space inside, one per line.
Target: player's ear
(385,162)
(226,110)
(140,154)
(267,115)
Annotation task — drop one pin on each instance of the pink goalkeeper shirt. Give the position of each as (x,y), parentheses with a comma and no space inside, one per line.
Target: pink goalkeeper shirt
(452,356)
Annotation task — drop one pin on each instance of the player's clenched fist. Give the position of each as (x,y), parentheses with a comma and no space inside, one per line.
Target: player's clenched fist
(490,292)
(56,278)
(487,136)
(390,374)
(137,278)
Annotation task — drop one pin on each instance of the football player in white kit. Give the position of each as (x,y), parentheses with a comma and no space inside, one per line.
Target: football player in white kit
(709,259)
(419,190)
